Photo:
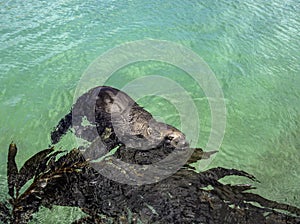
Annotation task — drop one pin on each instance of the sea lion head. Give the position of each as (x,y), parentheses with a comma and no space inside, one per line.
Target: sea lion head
(167,136)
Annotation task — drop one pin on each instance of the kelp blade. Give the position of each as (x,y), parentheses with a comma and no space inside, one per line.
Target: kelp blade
(12,169)
(28,170)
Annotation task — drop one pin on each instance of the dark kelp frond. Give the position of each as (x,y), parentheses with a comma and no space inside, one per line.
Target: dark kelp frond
(5,216)
(29,168)
(271,204)
(199,154)
(50,186)
(220,172)
(12,169)
(180,198)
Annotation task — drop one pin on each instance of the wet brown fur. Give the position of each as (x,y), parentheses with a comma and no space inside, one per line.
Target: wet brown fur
(118,119)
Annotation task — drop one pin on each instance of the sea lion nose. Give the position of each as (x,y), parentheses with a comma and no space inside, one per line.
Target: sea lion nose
(181,143)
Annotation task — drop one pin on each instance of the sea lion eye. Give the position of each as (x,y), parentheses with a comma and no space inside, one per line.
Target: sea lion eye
(140,136)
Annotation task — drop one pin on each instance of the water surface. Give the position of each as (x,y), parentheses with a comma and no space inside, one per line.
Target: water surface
(251,46)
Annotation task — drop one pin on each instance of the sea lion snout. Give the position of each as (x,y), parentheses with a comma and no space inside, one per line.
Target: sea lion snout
(171,136)
(176,139)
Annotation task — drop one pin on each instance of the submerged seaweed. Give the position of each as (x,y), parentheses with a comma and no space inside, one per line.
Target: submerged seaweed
(184,197)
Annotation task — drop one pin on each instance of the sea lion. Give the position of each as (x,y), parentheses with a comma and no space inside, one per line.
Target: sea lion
(118,120)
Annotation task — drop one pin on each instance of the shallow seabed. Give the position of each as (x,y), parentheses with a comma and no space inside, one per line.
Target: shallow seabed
(251,46)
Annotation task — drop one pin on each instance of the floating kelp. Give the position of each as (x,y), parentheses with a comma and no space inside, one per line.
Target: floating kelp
(184,197)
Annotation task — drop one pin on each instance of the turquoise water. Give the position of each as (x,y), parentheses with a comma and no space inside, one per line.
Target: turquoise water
(251,46)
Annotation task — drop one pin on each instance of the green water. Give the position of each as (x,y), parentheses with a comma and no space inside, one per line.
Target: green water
(251,46)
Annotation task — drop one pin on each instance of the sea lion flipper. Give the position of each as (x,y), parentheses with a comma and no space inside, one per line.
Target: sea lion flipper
(62,127)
